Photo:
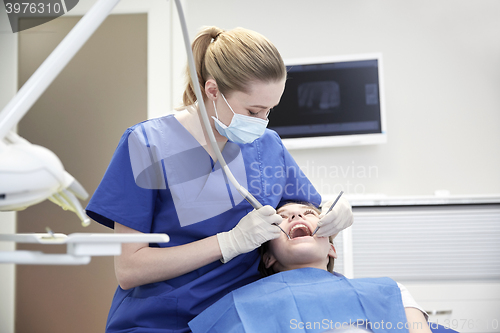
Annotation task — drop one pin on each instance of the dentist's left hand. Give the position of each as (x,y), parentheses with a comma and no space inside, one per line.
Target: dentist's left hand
(252,230)
(335,221)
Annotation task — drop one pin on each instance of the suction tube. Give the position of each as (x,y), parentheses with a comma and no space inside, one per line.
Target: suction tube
(204,116)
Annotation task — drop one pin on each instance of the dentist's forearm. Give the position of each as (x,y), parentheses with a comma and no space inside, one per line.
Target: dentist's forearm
(140,264)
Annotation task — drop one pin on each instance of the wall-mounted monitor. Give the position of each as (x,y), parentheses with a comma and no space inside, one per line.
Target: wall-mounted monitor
(332,101)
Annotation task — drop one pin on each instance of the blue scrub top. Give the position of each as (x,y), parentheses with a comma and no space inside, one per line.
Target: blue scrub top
(160,180)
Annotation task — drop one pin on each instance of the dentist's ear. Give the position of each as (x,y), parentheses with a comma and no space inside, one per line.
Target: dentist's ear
(211,89)
(268,259)
(332,252)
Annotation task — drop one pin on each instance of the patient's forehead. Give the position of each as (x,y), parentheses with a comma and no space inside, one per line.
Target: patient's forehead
(294,207)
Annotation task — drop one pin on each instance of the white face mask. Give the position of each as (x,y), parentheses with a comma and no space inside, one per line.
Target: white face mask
(242,129)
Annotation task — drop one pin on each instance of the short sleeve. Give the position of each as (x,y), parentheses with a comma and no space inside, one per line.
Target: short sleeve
(409,301)
(118,198)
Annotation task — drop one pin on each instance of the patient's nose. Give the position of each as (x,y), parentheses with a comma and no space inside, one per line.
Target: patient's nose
(294,216)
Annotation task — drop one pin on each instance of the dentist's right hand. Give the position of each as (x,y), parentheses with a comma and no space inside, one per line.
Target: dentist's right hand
(252,230)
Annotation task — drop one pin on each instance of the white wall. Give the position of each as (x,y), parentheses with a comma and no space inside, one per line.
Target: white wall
(442,70)
(160,27)
(8,82)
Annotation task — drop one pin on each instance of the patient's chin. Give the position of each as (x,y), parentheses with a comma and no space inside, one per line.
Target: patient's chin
(304,252)
(306,249)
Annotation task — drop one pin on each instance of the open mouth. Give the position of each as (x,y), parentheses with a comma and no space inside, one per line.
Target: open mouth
(299,230)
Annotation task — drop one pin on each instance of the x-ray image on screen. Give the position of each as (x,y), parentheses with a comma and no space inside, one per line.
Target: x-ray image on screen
(331,98)
(318,97)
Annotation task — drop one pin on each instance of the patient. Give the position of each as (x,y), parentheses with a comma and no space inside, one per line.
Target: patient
(300,291)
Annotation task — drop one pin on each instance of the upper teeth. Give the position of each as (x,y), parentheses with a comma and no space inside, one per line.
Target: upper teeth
(299,226)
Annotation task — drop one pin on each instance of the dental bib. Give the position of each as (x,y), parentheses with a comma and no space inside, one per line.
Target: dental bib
(306,300)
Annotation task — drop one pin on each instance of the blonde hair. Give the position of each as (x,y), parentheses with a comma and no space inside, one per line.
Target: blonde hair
(233,59)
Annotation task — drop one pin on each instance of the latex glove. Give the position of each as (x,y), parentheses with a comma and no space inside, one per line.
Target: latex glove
(335,221)
(252,230)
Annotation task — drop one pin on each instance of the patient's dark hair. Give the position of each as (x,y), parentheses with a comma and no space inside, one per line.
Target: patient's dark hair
(265,247)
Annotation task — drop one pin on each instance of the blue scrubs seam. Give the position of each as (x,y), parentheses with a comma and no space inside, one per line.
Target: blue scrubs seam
(230,195)
(228,188)
(145,135)
(164,172)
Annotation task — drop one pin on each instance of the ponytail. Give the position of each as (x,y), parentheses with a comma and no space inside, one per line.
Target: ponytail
(199,47)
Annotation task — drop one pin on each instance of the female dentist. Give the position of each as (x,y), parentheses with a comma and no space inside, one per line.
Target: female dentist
(164,178)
